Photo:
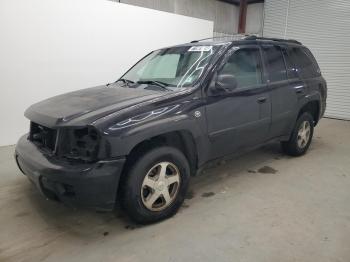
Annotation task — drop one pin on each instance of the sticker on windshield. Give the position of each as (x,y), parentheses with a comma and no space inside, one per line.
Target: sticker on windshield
(201,48)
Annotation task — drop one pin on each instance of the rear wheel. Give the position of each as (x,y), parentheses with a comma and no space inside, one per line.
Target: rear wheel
(156,185)
(301,137)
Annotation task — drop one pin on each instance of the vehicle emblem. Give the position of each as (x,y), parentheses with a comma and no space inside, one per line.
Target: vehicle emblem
(197,114)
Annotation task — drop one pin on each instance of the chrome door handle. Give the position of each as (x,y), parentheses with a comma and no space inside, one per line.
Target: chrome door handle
(299,89)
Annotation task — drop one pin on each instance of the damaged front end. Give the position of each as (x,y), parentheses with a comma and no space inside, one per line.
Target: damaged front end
(65,164)
(67,143)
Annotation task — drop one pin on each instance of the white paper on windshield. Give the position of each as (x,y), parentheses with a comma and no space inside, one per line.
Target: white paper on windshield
(200,48)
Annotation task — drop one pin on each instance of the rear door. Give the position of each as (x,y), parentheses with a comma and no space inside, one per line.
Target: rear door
(308,71)
(283,90)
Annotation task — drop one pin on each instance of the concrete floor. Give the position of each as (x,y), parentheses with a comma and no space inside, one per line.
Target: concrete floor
(262,206)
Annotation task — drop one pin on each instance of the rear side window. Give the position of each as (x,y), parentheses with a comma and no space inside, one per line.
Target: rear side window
(304,62)
(276,67)
(291,70)
(313,59)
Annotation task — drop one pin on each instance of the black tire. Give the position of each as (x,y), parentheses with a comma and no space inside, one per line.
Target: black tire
(292,147)
(132,201)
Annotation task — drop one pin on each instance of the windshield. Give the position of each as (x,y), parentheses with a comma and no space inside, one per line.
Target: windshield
(173,67)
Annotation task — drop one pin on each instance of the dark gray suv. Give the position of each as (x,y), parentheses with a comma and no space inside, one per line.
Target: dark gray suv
(137,141)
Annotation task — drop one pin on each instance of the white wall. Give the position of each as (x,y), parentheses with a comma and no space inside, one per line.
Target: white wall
(48,47)
(224,15)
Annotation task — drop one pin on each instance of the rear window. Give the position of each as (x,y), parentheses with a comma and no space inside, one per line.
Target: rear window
(304,62)
(275,62)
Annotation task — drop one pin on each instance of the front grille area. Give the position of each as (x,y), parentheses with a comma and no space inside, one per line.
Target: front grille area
(43,136)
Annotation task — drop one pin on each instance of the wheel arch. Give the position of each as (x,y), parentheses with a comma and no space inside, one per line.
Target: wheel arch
(182,140)
(313,107)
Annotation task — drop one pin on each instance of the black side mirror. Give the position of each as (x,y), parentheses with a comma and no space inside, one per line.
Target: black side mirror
(225,83)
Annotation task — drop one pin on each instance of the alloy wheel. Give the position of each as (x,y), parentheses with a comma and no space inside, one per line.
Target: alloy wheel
(160,186)
(304,134)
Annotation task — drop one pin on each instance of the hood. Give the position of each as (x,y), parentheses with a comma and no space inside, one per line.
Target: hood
(87,105)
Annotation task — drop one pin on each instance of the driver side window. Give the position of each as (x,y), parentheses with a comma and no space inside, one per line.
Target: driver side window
(245,66)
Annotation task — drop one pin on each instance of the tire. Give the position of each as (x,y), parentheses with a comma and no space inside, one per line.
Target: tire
(138,196)
(294,146)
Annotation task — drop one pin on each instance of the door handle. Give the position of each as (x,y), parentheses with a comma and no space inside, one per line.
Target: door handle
(299,89)
(262,99)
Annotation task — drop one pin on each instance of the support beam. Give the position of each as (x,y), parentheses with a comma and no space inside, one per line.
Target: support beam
(242,16)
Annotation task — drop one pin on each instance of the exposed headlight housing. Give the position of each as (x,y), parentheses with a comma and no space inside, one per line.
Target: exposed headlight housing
(79,144)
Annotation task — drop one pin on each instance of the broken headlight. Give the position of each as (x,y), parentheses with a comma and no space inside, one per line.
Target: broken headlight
(79,144)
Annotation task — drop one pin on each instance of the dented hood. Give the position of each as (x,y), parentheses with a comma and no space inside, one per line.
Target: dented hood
(84,106)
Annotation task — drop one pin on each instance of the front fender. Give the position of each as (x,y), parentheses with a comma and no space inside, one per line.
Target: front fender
(121,142)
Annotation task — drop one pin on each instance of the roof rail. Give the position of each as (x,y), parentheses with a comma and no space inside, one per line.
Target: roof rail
(242,36)
(253,37)
(236,37)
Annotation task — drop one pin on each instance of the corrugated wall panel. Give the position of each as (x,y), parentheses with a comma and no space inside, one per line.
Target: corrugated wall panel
(195,8)
(226,18)
(275,14)
(255,14)
(324,27)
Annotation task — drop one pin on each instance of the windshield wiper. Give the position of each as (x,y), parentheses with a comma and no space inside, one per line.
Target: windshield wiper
(156,83)
(125,81)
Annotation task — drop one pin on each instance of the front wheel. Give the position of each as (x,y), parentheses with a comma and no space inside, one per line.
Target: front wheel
(301,137)
(156,184)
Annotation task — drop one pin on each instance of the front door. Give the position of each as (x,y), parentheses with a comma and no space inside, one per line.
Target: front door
(240,118)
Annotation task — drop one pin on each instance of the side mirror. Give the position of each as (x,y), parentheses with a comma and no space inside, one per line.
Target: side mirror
(225,83)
